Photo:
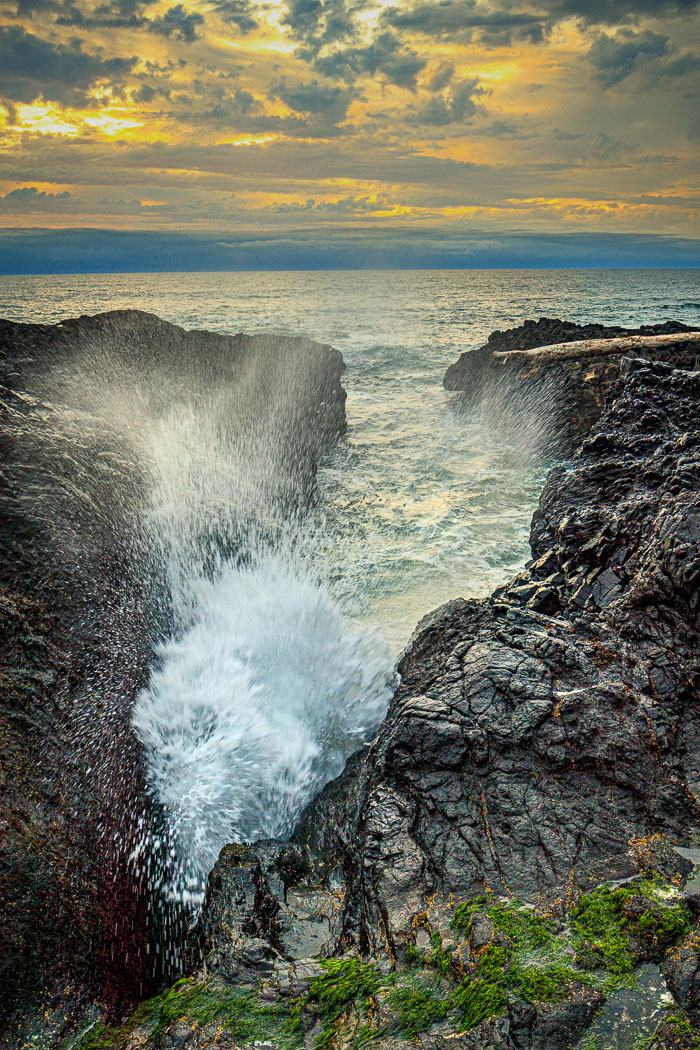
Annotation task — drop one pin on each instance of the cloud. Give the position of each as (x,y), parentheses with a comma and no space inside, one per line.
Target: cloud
(32,68)
(331,103)
(615,58)
(236,12)
(178,21)
(437,79)
(452,107)
(115,15)
(318,23)
(385,55)
(32,195)
(465,19)
(498,25)
(615,12)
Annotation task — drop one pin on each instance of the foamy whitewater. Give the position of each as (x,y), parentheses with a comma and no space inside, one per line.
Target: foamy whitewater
(256,705)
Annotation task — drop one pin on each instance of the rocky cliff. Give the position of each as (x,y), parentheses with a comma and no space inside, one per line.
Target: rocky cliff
(531,369)
(509,864)
(506,866)
(81,607)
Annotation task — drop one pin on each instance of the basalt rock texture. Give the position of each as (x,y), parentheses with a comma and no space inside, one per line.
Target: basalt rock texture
(80,610)
(498,863)
(538,737)
(569,389)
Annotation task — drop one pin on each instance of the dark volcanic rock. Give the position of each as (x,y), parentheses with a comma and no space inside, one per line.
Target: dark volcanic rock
(538,738)
(81,607)
(569,393)
(681,969)
(541,742)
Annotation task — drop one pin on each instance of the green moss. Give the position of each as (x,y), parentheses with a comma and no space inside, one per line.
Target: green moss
(600,931)
(548,983)
(418,1007)
(465,912)
(413,956)
(238,1011)
(367,1033)
(102,1037)
(477,1000)
(664,927)
(344,983)
(438,957)
(526,930)
(200,1003)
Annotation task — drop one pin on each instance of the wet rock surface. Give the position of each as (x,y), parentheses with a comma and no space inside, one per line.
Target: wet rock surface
(539,736)
(569,391)
(79,614)
(497,869)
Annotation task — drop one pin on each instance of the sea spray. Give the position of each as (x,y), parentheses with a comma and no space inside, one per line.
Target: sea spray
(230,681)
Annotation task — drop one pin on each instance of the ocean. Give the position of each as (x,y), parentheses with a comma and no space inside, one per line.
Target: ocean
(420,504)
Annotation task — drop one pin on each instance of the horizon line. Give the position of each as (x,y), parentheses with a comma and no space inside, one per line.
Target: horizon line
(348,269)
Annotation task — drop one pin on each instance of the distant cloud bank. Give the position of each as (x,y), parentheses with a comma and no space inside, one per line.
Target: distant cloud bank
(109,251)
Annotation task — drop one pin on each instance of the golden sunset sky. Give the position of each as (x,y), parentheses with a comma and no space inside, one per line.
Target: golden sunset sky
(300,128)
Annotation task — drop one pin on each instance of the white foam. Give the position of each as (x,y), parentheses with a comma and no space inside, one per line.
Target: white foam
(256,705)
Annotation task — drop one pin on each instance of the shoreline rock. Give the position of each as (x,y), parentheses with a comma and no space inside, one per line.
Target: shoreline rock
(562,371)
(539,761)
(494,866)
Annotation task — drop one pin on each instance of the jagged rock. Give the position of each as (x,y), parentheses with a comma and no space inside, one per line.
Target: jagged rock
(558,1026)
(675,1034)
(681,969)
(567,387)
(266,916)
(540,737)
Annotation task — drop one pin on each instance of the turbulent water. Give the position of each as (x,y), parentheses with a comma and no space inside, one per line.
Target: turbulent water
(280,659)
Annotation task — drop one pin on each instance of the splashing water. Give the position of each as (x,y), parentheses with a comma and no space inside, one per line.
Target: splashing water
(264,686)
(261,685)
(255,705)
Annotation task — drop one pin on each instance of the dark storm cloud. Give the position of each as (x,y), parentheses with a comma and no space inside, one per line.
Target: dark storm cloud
(615,58)
(178,22)
(385,55)
(31,68)
(236,12)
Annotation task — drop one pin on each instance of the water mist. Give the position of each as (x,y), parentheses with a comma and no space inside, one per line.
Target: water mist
(188,484)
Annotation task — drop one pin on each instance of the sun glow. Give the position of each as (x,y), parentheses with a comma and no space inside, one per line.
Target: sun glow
(46,120)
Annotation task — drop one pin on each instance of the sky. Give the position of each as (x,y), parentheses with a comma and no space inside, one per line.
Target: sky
(247,134)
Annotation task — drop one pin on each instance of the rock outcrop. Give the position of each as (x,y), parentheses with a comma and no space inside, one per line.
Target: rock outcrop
(561,371)
(80,609)
(499,863)
(538,735)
